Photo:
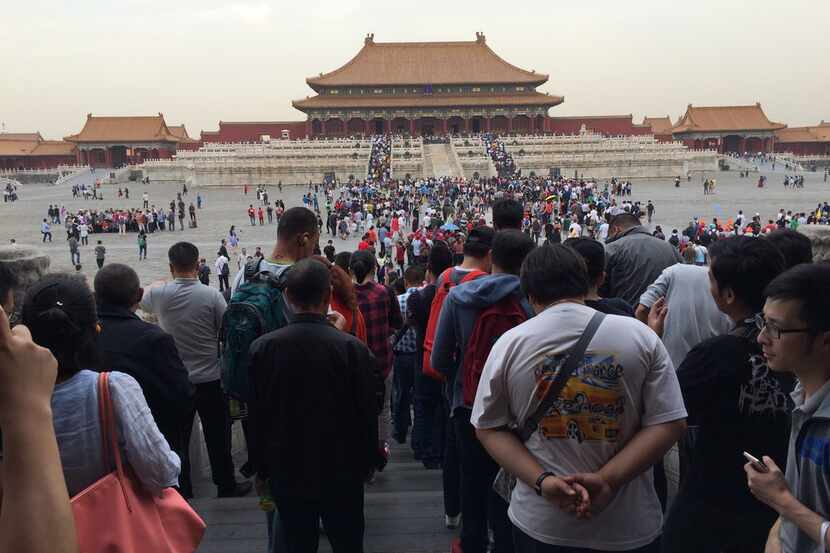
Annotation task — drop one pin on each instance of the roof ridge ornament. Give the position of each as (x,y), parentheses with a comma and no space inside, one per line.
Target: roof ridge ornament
(480,38)
(370,39)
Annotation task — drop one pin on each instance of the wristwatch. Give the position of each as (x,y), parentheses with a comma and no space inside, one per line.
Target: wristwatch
(538,485)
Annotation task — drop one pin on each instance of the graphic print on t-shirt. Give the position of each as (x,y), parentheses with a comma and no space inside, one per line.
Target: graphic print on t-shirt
(762,394)
(590,404)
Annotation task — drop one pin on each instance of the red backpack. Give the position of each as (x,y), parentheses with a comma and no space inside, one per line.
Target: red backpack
(448,279)
(490,325)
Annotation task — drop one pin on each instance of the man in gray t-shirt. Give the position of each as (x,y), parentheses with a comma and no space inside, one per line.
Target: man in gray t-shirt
(192,314)
(692,315)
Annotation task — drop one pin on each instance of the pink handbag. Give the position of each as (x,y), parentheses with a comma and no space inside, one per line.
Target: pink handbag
(117,514)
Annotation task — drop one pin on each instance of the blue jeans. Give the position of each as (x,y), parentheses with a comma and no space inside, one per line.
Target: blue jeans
(404,383)
(428,431)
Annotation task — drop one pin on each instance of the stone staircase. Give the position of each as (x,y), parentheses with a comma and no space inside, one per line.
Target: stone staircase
(440,161)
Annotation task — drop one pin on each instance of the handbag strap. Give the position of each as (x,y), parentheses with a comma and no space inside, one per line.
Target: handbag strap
(575,356)
(109,433)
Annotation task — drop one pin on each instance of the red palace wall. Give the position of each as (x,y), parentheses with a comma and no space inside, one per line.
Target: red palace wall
(804,148)
(606,125)
(251,132)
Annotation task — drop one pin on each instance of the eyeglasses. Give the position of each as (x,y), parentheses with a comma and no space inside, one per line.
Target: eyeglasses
(773,329)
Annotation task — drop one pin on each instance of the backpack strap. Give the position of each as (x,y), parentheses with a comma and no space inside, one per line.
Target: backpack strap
(566,369)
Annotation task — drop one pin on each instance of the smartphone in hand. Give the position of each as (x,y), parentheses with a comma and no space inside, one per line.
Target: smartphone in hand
(757,464)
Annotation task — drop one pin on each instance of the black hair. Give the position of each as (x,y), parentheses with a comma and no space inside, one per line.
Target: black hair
(295,221)
(414,273)
(116,284)
(439,258)
(183,256)
(479,242)
(362,264)
(60,312)
(745,265)
(398,286)
(308,283)
(809,284)
(554,272)
(593,252)
(510,247)
(341,259)
(508,214)
(624,220)
(8,282)
(794,246)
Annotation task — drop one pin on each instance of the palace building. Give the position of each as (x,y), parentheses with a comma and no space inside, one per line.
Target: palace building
(31,151)
(804,141)
(735,129)
(426,88)
(116,141)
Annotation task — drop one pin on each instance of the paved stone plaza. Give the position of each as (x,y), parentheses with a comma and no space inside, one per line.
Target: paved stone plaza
(404,508)
(226,206)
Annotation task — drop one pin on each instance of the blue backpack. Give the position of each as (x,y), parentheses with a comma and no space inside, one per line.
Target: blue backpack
(256,308)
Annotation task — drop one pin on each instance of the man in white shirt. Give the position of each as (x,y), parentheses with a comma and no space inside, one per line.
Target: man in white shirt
(583,478)
(223,271)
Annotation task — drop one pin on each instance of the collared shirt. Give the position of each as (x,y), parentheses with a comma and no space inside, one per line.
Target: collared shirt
(807,464)
(382,314)
(406,343)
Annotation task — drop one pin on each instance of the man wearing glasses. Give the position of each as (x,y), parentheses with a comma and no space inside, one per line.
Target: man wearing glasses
(796,338)
(736,404)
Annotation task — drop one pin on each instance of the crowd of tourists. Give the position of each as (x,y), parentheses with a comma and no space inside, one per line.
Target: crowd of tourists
(380,158)
(9,192)
(547,383)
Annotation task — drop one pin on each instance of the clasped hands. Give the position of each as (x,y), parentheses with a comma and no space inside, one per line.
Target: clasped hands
(582,495)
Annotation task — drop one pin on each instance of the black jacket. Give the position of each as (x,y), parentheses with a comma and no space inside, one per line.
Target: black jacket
(313,414)
(148,354)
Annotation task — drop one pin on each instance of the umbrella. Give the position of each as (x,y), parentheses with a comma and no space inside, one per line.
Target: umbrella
(550,198)
(452,227)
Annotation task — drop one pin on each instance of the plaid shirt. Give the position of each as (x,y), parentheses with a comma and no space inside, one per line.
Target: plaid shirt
(381,313)
(407,343)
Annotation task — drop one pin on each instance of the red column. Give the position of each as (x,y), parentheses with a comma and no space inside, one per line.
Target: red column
(486,124)
(412,127)
(444,126)
(509,124)
(308,127)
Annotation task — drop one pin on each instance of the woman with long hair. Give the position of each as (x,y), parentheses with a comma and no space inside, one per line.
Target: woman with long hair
(344,299)
(60,312)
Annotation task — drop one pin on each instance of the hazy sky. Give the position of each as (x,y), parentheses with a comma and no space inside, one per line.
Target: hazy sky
(199,61)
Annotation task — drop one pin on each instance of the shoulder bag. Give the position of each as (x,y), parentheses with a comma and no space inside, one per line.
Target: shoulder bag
(505,482)
(117,514)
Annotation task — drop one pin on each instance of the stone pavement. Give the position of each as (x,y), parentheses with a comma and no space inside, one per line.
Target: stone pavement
(404,512)
(404,507)
(226,206)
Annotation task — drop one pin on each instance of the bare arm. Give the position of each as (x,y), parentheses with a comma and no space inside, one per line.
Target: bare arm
(772,489)
(511,454)
(774,538)
(641,313)
(641,452)
(37,517)
(648,446)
